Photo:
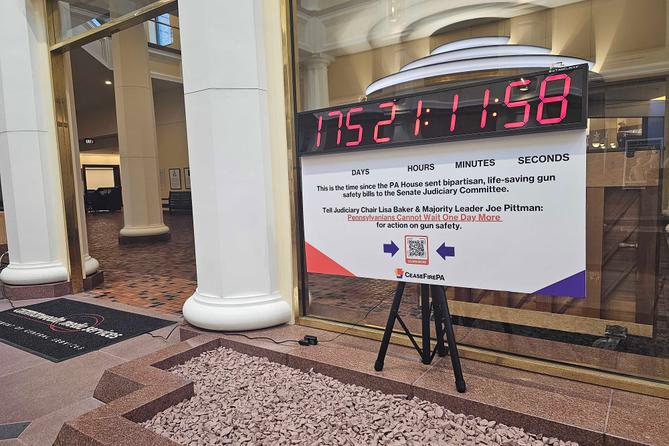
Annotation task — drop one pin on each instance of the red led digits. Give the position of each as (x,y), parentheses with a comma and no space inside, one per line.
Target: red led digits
(419,111)
(384,122)
(484,112)
(558,98)
(526,112)
(353,127)
(341,118)
(455,108)
(318,134)
(548,100)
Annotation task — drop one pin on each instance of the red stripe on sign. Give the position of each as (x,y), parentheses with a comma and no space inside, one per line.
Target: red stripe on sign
(317,262)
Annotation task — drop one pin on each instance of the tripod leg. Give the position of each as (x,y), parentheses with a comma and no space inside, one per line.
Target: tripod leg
(452,345)
(378,365)
(438,322)
(425,318)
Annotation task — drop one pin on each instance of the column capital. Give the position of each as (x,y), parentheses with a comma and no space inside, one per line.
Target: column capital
(318,60)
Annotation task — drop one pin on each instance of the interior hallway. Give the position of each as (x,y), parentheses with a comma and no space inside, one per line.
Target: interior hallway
(157,275)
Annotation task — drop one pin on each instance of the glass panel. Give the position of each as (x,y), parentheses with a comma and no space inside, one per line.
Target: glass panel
(353,51)
(79,16)
(164,32)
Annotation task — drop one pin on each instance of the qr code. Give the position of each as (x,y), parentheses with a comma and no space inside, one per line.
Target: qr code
(416,249)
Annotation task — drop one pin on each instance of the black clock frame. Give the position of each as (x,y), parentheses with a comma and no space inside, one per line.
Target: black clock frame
(572,121)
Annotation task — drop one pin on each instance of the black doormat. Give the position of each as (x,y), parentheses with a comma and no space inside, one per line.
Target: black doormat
(61,329)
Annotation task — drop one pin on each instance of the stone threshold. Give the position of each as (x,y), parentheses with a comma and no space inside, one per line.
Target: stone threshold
(591,415)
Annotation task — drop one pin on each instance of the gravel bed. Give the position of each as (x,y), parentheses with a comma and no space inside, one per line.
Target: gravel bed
(241,399)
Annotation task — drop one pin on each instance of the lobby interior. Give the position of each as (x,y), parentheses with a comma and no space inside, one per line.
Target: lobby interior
(155,272)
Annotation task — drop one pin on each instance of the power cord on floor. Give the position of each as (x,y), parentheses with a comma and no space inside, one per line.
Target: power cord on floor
(266,338)
(10,302)
(166,338)
(310,339)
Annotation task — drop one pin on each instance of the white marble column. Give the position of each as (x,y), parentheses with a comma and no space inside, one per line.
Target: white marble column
(29,165)
(315,72)
(225,89)
(138,147)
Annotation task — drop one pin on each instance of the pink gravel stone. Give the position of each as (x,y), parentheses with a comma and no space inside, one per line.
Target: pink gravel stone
(245,400)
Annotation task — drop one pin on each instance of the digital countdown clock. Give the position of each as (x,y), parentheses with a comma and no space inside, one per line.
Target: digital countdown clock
(550,100)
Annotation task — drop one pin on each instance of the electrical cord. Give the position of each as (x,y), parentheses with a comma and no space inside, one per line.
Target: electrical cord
(166,338)
(266,338)
(304,340)
(10,302)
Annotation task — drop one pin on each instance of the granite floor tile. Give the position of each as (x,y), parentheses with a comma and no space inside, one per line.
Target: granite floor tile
(370,345)
(37,391)
(558,407)
(143,344)
(639,418)
(12,442)
(43,431)
(542,348)
(14,360)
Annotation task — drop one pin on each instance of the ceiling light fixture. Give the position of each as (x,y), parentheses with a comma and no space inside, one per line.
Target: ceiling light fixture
(108,82)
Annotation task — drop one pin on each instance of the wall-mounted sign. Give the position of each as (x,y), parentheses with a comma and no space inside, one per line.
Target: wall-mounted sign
(187,177)
(495,213)
(175,179)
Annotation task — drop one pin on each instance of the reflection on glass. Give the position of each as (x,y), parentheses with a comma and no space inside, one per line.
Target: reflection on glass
(79,16)
(622,325)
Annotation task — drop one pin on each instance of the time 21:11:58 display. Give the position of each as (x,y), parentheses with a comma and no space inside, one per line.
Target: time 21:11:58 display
(549,100)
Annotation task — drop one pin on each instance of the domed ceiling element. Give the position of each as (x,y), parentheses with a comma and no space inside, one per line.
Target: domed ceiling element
(475,54)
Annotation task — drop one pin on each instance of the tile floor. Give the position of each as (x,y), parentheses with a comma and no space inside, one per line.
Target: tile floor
(160,275)
(44,394)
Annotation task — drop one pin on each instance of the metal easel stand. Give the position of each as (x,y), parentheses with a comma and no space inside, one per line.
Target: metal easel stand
(443,325)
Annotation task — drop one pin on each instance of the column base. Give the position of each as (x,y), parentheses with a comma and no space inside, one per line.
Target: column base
(130,240)
(91,265)
(25,274)
(236,313)
(25,292)
(94,280)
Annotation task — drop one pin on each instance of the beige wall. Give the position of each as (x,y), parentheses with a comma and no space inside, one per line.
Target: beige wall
(349,75)
(100,158)
(171,131)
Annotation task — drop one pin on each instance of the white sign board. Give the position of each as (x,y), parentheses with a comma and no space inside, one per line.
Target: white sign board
(499,213)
